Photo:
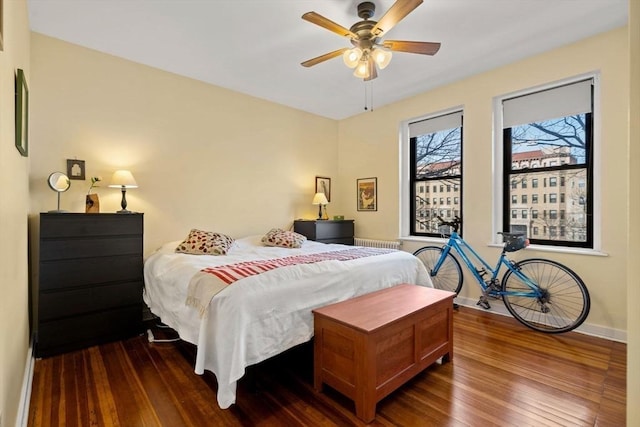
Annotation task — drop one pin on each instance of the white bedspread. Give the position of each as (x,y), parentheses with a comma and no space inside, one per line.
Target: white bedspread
(261,316)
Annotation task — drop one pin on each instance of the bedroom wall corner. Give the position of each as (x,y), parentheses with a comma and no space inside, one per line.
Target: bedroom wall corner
(14,209)
(203,156)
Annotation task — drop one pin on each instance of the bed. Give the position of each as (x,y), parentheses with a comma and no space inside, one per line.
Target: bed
(262,315)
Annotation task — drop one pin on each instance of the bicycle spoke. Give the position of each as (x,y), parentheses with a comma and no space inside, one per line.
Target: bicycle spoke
(449,275)
(563,303)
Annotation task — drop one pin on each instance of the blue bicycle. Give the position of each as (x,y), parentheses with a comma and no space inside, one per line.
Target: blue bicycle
(541,294)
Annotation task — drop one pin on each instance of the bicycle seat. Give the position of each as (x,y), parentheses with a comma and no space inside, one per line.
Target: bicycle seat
(514,241)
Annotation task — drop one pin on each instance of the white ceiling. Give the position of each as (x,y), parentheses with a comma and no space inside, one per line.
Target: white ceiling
(256,46)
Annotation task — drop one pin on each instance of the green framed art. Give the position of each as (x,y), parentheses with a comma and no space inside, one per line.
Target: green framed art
(22,113)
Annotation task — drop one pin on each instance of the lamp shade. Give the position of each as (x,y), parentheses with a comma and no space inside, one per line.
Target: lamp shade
(352,56)
(319,199)
(382,57)
(123,179)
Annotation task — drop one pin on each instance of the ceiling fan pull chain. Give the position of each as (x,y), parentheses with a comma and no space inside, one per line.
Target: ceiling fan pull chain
(368,99)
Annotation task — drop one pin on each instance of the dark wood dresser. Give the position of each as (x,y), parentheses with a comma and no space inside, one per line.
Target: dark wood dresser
(90,279)
(326,231)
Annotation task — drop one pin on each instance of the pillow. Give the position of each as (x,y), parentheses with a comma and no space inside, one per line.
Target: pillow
(283,238)
(200,242)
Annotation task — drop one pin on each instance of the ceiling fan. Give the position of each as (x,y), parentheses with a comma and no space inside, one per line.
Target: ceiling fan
(369,52)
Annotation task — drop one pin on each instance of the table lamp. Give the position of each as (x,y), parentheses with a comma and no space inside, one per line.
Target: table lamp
(123,179)
(321,200)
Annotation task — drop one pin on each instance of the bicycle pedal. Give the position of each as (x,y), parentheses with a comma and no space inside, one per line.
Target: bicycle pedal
(484,304)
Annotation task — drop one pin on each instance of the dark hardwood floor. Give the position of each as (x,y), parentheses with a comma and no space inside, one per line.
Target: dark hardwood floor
(502,374)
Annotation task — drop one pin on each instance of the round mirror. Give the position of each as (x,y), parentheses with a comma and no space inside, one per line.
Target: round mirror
(59,182)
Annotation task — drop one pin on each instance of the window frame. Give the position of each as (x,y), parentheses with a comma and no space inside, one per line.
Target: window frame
(594,169)
(406,217)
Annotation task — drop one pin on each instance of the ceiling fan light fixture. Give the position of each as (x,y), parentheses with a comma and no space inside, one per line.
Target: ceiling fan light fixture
(351,57)
(362,69)
(382,57)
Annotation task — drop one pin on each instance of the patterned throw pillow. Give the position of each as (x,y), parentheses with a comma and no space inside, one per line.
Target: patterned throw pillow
(200,242)
(283,238)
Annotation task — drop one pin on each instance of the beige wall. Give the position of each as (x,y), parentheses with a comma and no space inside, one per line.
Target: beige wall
(203,156)
(369,147)
(633,239)
(14,205)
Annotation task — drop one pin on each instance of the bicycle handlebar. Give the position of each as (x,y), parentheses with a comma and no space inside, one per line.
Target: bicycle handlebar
(456,223)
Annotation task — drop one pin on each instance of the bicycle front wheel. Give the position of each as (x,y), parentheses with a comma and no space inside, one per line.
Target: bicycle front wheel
(449,275)
(563,303)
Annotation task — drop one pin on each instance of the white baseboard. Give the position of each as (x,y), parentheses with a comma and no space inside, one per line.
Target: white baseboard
(586,328)
(25,394)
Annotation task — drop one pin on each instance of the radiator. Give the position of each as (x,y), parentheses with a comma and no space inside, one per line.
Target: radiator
(370,243)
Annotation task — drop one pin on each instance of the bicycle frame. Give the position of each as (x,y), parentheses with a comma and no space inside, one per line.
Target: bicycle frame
(460,246)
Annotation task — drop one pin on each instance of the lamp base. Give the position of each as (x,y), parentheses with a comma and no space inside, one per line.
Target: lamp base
(124,211)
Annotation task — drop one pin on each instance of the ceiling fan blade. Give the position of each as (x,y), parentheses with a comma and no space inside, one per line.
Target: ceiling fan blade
(325,57)
(320,20)
(373,73)
(423,48)
(395,14)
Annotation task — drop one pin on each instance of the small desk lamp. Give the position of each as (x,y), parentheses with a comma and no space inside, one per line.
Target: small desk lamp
(321,200)
(123,179)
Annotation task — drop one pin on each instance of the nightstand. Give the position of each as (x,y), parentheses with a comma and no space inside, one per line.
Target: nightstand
(89,280)
(326,231)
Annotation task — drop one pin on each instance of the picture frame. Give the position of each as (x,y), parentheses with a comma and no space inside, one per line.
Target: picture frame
(1,25)
(323,185)
(367,194)
(76,169)
(22,113)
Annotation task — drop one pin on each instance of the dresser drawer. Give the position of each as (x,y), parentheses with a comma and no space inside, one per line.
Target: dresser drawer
(71,302)
(89,271)
(333,229)
(85,225)
(57,249)
(71,333)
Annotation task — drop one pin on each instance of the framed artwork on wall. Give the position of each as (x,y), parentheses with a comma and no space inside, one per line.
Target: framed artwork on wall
(1,25)
(22,113)
(367,191)
(323,185)
(75,169)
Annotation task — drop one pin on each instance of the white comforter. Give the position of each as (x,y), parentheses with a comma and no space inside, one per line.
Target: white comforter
(261,316)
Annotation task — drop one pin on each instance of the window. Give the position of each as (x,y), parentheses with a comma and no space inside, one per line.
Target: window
(435,159)
(534,213)
(524,214)
(514,199)
(524,198)
(551,131)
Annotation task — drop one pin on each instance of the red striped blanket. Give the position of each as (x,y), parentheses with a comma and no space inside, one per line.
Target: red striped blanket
(202,289)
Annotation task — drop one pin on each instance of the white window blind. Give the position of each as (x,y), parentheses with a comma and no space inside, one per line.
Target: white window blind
(567,100)
(435,124)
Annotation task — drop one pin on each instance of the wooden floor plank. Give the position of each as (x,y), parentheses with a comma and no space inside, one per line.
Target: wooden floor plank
(502,374)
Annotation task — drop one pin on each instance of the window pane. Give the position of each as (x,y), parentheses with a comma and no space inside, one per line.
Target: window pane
(549,143)
(567,213)
(426,214)
(438,154)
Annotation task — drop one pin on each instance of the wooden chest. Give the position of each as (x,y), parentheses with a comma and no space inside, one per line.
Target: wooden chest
(368,346)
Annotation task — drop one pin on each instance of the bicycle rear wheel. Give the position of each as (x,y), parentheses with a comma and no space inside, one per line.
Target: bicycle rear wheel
(564,302)
(449,277)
